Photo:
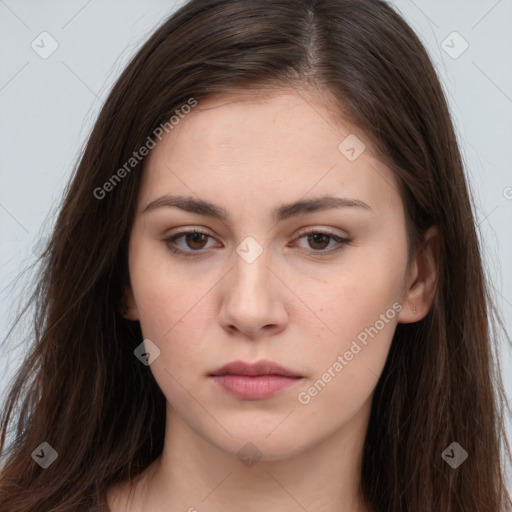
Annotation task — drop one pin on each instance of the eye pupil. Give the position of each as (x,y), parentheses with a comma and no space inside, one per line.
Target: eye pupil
(318,238)
(195,238)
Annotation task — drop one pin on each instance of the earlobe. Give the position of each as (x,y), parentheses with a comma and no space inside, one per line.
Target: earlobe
(127,307)
(423,279)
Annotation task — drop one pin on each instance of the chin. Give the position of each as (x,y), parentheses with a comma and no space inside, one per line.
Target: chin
(263,441)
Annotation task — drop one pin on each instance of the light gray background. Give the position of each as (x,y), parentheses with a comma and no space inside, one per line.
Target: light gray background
(47,107)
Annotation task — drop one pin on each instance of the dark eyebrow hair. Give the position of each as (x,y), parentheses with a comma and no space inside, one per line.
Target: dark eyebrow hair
(283,212)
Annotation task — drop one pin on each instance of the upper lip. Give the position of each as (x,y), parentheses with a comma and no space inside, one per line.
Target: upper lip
(259,368)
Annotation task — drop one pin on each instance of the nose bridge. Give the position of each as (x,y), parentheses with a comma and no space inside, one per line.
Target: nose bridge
(251,273)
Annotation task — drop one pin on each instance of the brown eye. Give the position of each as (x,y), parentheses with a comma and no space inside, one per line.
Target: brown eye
(191,243)
(188,243)
(323,243)
(318,241)
(196,240)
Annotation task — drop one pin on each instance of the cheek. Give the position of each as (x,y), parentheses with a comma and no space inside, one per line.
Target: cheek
(361,310)
(169,305)
(362,291)
(176,322)
(346,371)
(164,293)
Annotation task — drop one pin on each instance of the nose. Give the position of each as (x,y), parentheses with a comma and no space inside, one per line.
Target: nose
(253,299)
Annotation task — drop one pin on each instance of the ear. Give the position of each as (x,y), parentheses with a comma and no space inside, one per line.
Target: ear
(128,308)
(422,279)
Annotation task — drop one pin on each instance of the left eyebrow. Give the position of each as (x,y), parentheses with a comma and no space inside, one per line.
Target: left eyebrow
(283,212)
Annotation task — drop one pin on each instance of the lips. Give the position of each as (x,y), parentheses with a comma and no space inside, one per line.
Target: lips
(254,381)
(248,369)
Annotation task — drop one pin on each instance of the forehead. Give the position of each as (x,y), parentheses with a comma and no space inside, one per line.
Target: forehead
(296,114)
(284,144)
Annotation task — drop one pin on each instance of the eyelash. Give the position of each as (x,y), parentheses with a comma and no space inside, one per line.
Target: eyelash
(190,254)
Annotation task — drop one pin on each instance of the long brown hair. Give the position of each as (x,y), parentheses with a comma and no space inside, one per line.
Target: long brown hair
(81,389)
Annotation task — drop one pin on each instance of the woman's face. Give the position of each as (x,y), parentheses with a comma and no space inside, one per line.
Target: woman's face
(255,286)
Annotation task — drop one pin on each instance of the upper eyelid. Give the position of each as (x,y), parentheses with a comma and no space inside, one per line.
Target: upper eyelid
(303,231)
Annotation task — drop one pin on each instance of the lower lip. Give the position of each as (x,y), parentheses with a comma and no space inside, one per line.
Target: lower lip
(255,387)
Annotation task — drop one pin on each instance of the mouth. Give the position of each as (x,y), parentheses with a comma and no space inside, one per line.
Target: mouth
(254,381)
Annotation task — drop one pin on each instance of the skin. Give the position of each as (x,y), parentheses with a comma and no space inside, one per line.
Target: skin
(249,155)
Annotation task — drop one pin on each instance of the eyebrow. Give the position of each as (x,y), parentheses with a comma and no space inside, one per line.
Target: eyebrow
(283,212)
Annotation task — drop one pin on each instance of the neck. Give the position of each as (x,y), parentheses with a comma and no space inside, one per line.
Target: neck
(193,474)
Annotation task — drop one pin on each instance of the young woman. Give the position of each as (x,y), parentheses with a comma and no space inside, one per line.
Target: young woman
(264,289)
